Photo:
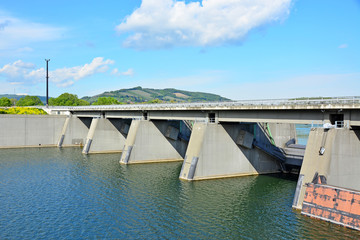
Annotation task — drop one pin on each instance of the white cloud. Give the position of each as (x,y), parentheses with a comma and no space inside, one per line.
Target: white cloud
(24,49)
(17,70)
(163,23)
(16,83)
(27,73)
(115,71)
(129,72)
(16,32)
(343,45)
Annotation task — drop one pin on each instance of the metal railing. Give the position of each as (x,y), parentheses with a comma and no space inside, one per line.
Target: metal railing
(338,124)
(265,102)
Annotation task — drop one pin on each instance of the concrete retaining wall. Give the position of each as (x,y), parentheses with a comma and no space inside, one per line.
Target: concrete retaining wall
(30,130)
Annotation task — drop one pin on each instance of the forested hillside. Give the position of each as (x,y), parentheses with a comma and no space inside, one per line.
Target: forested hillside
(140,95)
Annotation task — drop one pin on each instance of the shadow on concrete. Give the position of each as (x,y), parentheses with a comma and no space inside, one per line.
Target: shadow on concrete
(122,125)
(86,121)
(261,142)
(179,143)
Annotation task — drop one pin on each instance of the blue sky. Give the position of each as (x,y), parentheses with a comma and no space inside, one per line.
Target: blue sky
(240,49)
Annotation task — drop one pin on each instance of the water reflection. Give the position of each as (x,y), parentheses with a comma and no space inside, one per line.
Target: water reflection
(60,193)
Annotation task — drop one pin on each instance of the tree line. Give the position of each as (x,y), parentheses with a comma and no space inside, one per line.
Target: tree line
(65,99)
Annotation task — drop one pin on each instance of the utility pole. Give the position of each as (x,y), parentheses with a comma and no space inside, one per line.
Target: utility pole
(47,82)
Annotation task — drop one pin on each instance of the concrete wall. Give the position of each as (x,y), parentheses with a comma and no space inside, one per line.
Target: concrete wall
(75,131)
(282,133)
(149,141)
(106,135)
(218,150)
(345,160)
(339,165)
(30,130)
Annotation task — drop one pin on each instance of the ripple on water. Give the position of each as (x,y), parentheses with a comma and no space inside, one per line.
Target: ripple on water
(60,193)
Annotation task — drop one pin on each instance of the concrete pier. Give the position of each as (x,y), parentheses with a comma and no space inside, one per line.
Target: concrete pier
(332,154)
(74,131)
(153,141)
(227,150)
(106,135)
(331,162)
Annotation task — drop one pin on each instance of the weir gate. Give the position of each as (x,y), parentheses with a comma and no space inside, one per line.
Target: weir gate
(215,140)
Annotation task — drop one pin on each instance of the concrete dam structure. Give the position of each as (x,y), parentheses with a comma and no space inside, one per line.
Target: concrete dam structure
(216,140)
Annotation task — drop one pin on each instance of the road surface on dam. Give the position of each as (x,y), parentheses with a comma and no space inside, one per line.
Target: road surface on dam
(51,193)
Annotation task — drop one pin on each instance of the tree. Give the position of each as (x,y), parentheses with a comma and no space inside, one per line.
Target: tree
(83,102)
(156,100)
(106,101)
(5,102)
(13,101)
(29,101)
(67,99)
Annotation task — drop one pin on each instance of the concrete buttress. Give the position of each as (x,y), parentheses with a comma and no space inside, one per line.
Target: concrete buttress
(224,150)
(332,154)
(328,187)
(90,135)
(106,136)
(74,132)
(153,141)
(63,132)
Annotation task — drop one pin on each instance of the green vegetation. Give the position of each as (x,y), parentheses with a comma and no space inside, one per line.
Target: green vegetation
(29,101)
(5,102)
(67,99)
(105,101)
(122,96)
(15,97)
(23,110)
(155,101)
(13,101)
(148,95)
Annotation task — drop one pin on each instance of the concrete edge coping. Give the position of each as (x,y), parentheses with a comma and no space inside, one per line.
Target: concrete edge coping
(154,161)
(213,177)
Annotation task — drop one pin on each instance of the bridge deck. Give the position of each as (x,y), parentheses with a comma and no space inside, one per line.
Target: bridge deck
(304,111)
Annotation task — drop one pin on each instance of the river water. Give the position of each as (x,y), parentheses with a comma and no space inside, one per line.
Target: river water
(50,193)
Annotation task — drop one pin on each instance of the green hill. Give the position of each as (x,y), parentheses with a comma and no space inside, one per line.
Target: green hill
(140,95)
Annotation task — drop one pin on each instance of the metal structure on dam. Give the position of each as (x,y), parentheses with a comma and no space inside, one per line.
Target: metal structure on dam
(216,140)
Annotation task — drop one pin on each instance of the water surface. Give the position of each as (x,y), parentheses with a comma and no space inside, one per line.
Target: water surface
(49,193)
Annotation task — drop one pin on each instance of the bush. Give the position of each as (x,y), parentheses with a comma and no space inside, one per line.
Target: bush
(23,110)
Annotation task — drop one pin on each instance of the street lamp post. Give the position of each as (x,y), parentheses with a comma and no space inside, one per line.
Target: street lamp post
(47,82)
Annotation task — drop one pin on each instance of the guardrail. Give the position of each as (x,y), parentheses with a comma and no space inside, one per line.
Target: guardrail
(265,102)
(338,124)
